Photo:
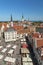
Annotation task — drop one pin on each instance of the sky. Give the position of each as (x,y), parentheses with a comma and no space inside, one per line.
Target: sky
(30,9)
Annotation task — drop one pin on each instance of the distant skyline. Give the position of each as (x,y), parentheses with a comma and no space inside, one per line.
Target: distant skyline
(31,9)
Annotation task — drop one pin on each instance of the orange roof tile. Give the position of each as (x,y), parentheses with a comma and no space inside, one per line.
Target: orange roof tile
(39,43)
(24,45)
(20,29)
(24,31)
(36,35)
(17,27)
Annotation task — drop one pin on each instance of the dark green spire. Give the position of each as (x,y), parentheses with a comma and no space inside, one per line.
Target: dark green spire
(22,16)
(11,18)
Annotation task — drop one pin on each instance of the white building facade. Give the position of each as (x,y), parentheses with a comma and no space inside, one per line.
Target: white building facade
(10,35)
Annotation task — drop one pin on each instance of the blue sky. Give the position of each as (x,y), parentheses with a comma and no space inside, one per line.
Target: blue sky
(31,9)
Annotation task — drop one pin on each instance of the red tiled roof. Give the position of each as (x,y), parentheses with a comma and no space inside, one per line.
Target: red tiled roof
(36,35)
(39,43)
(17,27)
(22,31)
(5,25)
(24,45)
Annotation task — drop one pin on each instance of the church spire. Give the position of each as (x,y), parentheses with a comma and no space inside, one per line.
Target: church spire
(11,23)
(22,17)
(11,18)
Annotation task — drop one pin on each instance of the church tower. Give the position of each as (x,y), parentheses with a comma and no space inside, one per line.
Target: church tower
(11,17)
(11,21)
(22,19)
